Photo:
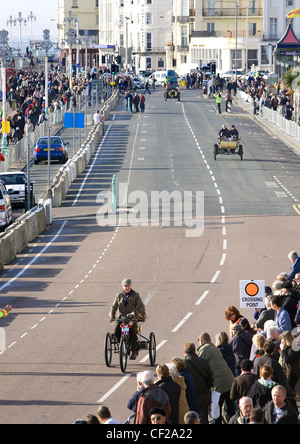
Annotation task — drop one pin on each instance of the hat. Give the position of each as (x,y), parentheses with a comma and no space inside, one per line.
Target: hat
(157,411)
(237,327)
(126,282)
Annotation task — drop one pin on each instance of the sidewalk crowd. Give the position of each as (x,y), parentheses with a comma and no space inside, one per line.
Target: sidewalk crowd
(26,98)
(247,376)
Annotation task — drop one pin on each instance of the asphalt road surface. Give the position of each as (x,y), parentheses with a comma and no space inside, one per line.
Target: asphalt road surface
(187,273)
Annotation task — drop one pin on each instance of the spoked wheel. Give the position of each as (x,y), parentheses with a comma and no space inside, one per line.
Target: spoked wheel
(123,354)
(241,151)
(215,151)
(108,350)
(152,349)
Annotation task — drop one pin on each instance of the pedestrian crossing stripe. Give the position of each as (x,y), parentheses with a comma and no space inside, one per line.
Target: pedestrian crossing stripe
(297,208)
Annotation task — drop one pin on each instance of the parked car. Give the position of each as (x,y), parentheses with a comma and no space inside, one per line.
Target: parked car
(262,74)
(15,183)
(138,83)
(6,216)
(230,75)
(58,150)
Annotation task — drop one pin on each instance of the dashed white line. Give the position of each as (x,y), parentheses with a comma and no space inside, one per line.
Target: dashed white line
(181,322)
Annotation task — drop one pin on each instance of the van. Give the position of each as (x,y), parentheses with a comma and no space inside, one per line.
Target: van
(160,77)
(6,216)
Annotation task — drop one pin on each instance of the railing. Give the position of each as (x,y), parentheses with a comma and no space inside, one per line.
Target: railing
(231,12)
(19,150)
(289,126)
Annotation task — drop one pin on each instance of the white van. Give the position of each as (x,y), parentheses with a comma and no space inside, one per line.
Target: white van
(160,77)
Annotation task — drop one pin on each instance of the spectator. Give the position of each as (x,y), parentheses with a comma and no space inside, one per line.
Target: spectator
(173,390)
(191,418)
(260,392)
(203,377)
(265,315)
(282,317)
(183,405)
(222,342)
(232,315)
(105,417)
(290,359)
(279,411)
(150,396)
(222,374)
(242,384)
(157,415)
(295,260)
(241,344)
(243,415)
(190,391)
(290,300)
(257,416)
(131,405)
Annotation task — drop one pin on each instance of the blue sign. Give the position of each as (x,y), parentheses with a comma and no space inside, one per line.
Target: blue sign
(78,122)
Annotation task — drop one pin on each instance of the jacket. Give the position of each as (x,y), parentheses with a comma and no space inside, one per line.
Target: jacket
(201,372)
(173,391)
(133,305)
(290,415)
(152,396)
(223,376)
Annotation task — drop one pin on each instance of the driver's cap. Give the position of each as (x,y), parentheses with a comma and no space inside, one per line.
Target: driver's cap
(126,282)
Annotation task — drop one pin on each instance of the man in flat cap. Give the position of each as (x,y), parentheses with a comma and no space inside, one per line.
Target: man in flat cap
(128,302)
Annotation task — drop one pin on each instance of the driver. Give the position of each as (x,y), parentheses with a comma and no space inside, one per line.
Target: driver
(224,133)
(128,302)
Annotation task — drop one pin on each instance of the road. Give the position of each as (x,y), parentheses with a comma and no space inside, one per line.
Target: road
(62,286)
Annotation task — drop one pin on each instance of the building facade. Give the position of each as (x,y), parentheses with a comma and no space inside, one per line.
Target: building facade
(83,17)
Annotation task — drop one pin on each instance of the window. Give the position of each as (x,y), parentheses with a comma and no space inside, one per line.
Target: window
(252,57)
(273,27)
(148,63)
(185,8)
(265,57)
(149,2)
(239,59)
(149,41)
(252,29)
(184,35)
(75,4)
(149,18)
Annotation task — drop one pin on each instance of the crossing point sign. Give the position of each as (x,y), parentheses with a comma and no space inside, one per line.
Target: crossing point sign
(252,294)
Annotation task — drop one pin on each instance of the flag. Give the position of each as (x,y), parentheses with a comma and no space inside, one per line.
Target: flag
(294,13)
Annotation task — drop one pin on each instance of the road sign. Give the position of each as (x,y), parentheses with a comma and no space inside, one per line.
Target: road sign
(78,122)
(252,294)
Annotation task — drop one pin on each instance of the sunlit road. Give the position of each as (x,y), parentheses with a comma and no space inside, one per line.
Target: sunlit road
(62,286)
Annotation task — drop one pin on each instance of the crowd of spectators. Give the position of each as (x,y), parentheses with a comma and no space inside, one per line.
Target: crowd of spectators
(277,97)
(26,98)
(248,375)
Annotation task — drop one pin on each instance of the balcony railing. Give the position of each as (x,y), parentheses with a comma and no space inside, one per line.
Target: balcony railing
(225,34)
(231,12)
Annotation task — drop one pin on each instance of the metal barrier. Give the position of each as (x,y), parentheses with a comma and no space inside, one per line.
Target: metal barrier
(288,126)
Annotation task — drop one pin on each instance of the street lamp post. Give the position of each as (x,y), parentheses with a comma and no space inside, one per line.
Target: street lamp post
(46,45)
(20,19)
(70,39)
(31,18)
(4,53)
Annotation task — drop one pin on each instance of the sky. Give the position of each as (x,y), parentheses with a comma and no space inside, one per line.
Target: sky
(44,10)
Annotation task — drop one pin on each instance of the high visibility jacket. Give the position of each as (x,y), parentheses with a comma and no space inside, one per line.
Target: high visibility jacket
(3,313)
(218,97)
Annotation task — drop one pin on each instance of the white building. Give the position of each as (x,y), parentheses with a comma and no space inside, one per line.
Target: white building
(138,30)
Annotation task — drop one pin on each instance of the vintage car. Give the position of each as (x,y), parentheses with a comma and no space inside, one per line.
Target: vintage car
(172,90)
(229,145)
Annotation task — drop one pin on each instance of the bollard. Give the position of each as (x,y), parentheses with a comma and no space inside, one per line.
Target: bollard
(114,201)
